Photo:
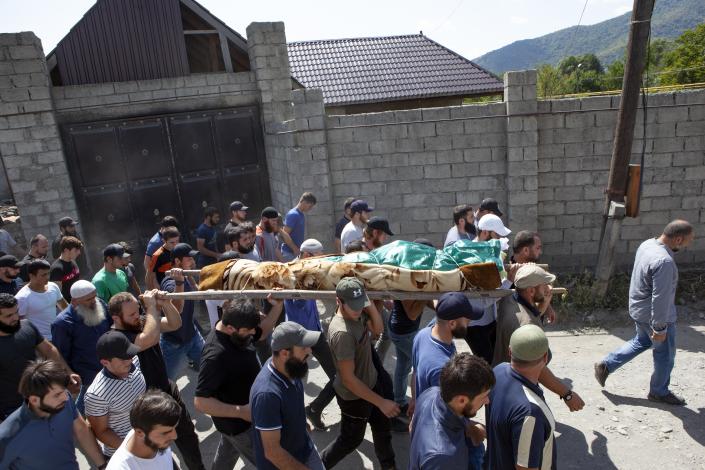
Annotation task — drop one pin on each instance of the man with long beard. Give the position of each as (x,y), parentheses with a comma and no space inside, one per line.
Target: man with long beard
(44,431)
(145,331)
(20,343)
(76,330)
(280,435)
(441,420)
(267,230)
(229,366)
(376,232)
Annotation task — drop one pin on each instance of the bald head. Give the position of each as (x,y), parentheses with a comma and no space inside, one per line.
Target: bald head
(678,228)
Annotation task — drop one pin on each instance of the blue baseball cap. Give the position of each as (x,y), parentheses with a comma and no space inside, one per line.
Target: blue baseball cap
(454,305)
(360,206)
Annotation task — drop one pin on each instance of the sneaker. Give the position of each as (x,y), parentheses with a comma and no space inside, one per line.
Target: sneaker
(315,418)
(670,399)
(399,425)
(601,373)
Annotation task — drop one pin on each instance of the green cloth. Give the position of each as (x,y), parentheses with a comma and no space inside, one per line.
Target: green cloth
(108,284)
(415,256)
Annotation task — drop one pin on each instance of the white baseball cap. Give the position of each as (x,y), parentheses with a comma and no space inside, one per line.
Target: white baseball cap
(81,288)
(311,246)
(492,223)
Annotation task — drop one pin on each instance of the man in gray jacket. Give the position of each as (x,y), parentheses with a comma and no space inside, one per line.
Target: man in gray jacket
(652,306)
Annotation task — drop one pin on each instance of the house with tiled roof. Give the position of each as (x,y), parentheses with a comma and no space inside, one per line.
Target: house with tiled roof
(361,75)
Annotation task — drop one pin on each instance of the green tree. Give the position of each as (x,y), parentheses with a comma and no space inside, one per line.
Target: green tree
(550,82)
(686,62)
(614,76)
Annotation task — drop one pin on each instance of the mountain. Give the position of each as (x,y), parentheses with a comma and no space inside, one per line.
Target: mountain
(607,39)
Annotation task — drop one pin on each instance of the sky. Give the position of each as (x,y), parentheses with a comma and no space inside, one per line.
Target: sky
(468,27)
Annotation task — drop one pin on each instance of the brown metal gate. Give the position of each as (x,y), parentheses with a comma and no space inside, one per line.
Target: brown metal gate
(127,174)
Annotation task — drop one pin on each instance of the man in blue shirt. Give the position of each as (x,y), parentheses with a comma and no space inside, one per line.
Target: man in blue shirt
(652,294)
(520,426)
(207,238)
(186,342)
(441,420)
(281,439)
(43,432)
(76,330)
(295,226)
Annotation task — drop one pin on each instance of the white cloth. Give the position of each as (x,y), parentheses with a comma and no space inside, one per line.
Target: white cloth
(122,459)
(350,233)
(39,307)
(212,307)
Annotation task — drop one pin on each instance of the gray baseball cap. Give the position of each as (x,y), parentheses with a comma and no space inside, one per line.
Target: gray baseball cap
(352,292)
(289,334)
(528,343)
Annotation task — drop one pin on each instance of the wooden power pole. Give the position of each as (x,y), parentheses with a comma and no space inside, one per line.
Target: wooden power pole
(614,210)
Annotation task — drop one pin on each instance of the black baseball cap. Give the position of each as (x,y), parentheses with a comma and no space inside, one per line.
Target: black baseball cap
(114,250)
(360,206)
(67,222)
(489,204)
(183,249)
(454,305)
(380,223)
(9,261)
(238,206)
(115,344)
(270,213)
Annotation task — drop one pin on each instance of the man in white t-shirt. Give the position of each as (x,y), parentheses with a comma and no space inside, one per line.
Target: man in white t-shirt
(38,300)
(153,417)
(360,212)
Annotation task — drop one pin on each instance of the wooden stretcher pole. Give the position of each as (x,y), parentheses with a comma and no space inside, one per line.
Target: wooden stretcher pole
(330,294)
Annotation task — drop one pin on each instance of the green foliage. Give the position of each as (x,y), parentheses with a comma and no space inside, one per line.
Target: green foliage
(686,62)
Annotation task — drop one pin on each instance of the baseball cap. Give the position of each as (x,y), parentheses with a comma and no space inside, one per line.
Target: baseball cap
(490,204)
(360,206)
(9,261)
(494,224)
(352,292)
(289,334)
(66,222)
(237,206)
(454,305)
(380,223)
(270,213)
(115,344)
(528,343)
(531,275)
(183,249)
(113,250)
(81,288)
(311,246)
(424,241)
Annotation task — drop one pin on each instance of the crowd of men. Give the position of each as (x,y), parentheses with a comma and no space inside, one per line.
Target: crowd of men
(93,363)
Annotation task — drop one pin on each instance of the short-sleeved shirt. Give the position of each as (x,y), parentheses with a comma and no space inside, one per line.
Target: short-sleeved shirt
(520,426)
(304,312)
(350,233)
(210,236)
(152,365)
(160,263)
(153,244)
(267,244)
(399,321)
(66,272)
(277,403)
(76,341)
(227,374)
(453,236)
(39,307)
(296,221)
(16,351)
(428,356)
(29,442)
(340,225)
(108,284)
(112,396)
(6,241)
(9,287)
(351,340)
(188,329)
(123,459)
(512,312)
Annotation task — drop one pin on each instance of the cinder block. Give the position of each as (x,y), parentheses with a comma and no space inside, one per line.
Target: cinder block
(449,127)
(443,142)
(437,171)
(690,128)
(450,156)
(383,147)
(366,134)
(477,155)
(672,114)
(410,145)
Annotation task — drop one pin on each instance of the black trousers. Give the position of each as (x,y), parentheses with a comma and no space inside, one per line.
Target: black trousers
(481,340)
(187,440)
(321,351)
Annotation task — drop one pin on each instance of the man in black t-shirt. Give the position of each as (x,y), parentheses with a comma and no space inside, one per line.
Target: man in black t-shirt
(38,249)
(144,332)
(67,228)
(238,215)
(229,366)
(340,225)
(9,270)
(64,271)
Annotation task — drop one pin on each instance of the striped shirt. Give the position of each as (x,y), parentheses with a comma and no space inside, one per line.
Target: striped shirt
(112,396)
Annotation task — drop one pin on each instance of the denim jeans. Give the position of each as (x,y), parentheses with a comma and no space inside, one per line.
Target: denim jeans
(664,355)
(403,344)
(232,447)
(175,354)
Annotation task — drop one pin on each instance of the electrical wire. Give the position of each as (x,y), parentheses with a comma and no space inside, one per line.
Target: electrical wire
(442,23)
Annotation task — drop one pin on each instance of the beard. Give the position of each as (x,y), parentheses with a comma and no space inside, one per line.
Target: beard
(49,409)
(12,276)
(459,332)
(132,327)
(91,316)
(376,242)
(468,412)
(10,329)
(268,227)
(295,368)
(150,443)
(241,342)
(245,250)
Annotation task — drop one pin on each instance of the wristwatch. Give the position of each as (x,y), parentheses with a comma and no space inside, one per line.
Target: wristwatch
(568,396)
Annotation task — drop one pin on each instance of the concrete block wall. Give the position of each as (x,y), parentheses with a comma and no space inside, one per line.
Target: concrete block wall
(30,145)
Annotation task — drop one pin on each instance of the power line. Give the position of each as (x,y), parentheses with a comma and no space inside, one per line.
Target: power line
(442,23)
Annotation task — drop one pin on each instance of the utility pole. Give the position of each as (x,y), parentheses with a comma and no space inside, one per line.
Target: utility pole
(613,212)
